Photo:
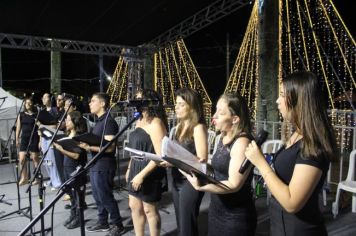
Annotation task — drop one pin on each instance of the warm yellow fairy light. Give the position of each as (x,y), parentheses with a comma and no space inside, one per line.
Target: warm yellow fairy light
(319,55)
(337,42)
(303,37)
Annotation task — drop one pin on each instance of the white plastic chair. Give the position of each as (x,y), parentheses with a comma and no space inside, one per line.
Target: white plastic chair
(211,136)
(270,147)
(121,122)
(172,132)
(348,185)
(126,140)
(216,142)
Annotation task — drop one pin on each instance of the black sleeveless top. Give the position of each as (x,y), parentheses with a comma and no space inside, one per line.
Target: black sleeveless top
(153,184)
(220,163)
(190,146)
(27,122)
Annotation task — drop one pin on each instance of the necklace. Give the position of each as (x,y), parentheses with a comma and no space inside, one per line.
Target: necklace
(294,140)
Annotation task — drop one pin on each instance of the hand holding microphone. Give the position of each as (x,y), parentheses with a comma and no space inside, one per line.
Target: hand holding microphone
(260,139)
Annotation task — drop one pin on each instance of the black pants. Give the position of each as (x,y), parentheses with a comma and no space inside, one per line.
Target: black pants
(75,192)
(186,204)
(102,184)
(58,158)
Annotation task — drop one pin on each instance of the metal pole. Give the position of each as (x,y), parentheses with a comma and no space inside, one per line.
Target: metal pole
(0,69)
(101,73)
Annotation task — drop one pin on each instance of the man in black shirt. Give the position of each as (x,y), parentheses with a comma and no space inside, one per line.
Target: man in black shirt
(103,172)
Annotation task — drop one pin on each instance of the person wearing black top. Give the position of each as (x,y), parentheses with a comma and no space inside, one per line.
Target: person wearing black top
(75,125)
(103,172)
(24,125)
(146,178)
(60,104)
(302,163)
(191,133)
(231,211)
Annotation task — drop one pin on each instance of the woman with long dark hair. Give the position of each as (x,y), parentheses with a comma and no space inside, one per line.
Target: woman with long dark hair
(145,178)
(25,125)
(231,211)
(301,165)
(191,133)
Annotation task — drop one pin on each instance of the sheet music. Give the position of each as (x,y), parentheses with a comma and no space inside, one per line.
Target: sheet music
(48,131)
(143,155)
(172,149)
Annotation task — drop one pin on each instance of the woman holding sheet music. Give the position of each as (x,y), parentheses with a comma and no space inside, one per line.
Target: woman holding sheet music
(144,177)
(191,133)
(25,125)
(75,125)
(232,211)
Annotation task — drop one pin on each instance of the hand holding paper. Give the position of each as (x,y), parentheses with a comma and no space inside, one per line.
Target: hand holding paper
(179,157)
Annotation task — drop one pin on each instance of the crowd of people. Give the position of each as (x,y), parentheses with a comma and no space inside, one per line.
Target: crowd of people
(295,179)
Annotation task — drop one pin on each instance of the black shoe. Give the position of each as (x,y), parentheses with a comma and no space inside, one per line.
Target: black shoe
(116,230)
(70,218)
(75,223)
(98,227)
(69,206)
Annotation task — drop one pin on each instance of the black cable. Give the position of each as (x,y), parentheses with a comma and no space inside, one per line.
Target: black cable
(106,119)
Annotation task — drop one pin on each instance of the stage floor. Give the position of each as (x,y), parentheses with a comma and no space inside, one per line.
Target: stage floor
(344,224)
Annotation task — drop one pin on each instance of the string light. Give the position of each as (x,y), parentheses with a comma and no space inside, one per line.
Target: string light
(312,37)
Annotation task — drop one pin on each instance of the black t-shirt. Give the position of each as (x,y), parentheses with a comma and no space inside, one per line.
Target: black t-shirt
(107,161)
(53,111)
(284,164)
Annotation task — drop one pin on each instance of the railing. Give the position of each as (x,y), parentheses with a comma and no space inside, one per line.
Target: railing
(346,135)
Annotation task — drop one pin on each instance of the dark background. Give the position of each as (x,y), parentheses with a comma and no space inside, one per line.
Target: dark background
(130,23)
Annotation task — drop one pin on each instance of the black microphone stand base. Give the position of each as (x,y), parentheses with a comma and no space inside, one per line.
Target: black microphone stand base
(40,231)
(23,211)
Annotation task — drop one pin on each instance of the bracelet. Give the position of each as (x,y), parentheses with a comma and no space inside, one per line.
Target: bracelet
(267,173)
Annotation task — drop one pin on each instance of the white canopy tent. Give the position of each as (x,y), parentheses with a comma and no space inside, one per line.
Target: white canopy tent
(9,107)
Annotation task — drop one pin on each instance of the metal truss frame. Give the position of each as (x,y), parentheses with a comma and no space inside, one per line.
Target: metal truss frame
(199,20)
(16,41)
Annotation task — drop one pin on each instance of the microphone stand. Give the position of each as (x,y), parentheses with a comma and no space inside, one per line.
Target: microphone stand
(37,174)
(23,211)
(73,182)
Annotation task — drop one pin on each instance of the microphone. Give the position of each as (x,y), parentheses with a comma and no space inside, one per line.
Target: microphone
(139,103)
(260,139)
(39,107)
(3,97)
